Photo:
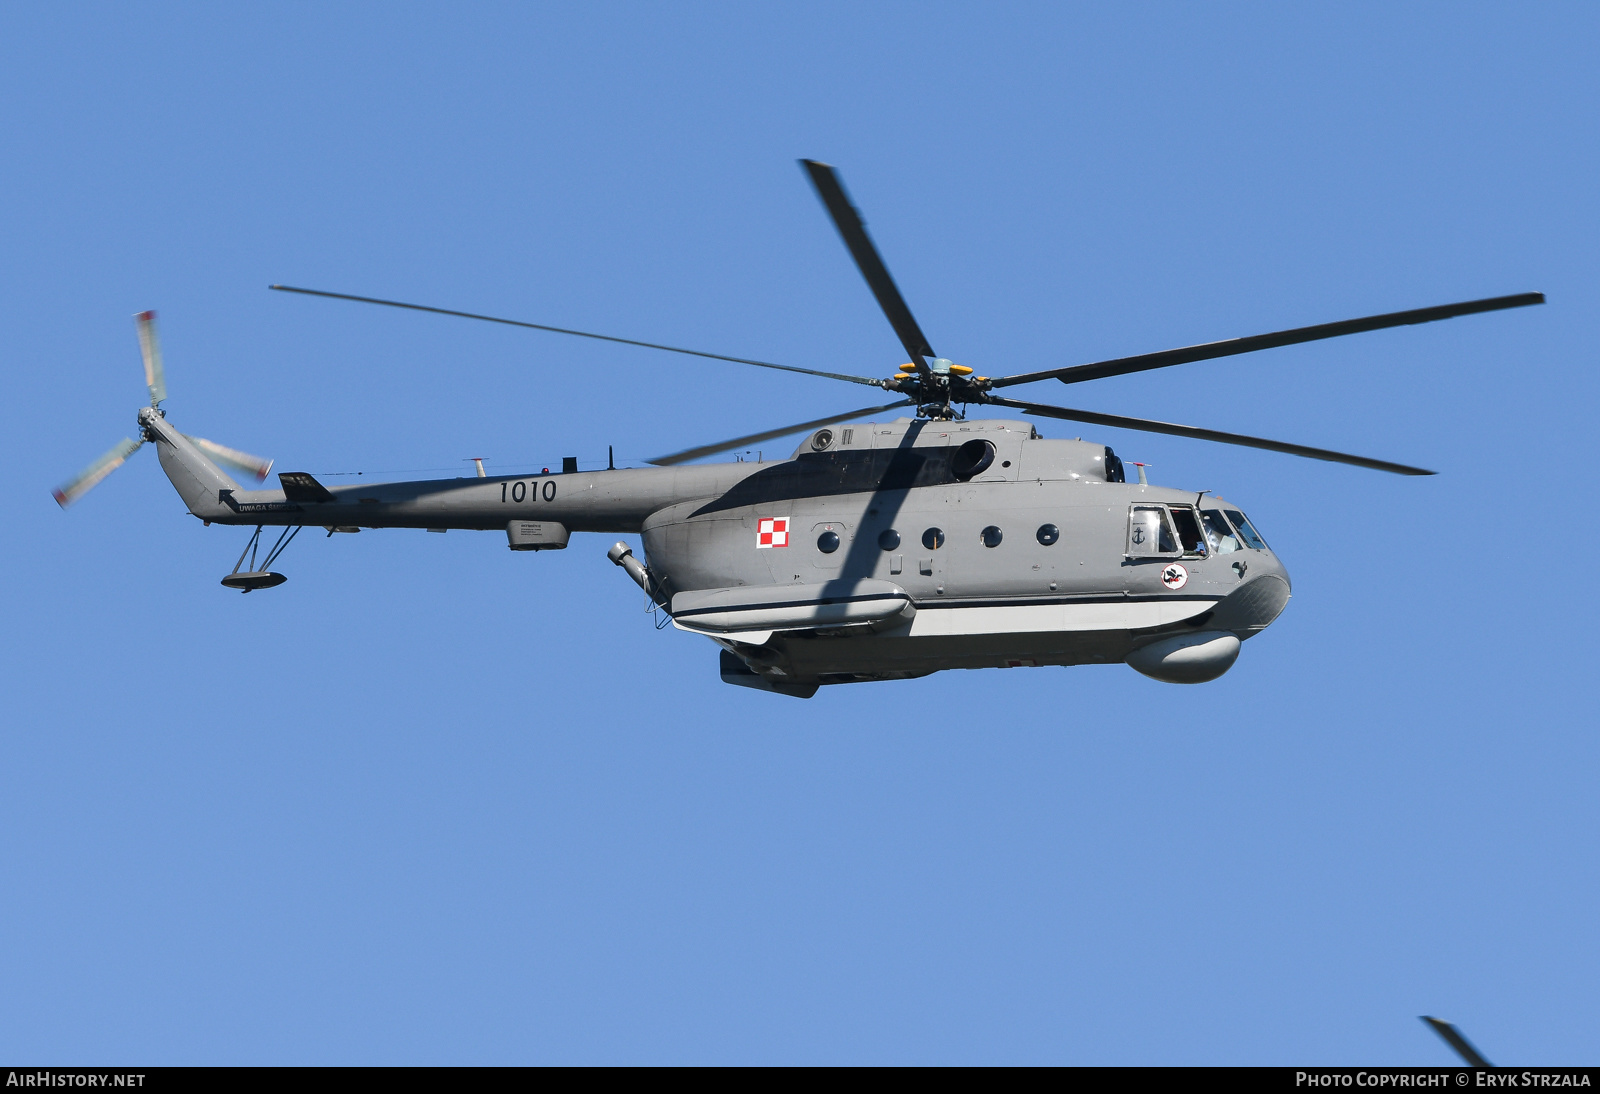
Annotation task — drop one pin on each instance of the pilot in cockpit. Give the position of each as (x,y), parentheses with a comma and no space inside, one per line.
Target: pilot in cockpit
(1218,534)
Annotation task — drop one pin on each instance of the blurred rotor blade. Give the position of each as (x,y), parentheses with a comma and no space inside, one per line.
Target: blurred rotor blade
(847,218)
(580,334)
(1148,426)
(755,438)
(1452,1037)
(232,457)
(90,476)
(150,347)
(1121,366)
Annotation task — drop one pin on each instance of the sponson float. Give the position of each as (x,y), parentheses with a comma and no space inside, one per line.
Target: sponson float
(884,548)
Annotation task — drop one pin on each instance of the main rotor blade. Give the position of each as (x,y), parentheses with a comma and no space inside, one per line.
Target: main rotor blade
(155,377)
(232,457)
(847,218)
(579,333)
(755,438)
(87,479)
(1121,366)
(1094,418)
(1452,1037)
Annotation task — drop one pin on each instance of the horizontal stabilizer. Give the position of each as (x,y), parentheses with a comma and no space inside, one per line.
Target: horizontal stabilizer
(301,487)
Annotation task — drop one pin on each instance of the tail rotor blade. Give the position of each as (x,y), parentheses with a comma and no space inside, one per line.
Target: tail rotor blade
(90,477)
(232,457)
(150,346)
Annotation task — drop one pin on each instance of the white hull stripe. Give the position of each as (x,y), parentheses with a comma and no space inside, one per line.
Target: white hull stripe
(1119,615)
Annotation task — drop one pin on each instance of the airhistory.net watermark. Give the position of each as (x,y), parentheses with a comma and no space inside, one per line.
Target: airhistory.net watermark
(37,1077)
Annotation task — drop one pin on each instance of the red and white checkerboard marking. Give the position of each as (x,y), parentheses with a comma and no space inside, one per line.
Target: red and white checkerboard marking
(772,532)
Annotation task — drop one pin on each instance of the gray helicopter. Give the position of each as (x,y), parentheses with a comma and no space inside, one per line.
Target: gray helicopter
(881,549)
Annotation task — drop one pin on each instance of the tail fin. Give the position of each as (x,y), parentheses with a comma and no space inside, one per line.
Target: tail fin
(197,479)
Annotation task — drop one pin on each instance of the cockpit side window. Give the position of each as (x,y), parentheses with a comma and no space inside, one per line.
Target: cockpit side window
(1150,532)
(1246,529)
(1188,530)
(1219,536)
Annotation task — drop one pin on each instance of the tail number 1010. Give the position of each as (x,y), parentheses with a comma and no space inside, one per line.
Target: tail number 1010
(520,491)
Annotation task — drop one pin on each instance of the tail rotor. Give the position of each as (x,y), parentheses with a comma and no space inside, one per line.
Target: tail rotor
(156,380)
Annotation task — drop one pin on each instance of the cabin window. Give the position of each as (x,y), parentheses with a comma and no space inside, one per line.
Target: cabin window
(1048,534)
(888,539)
(1150,532)
(1246,529)
(933,538)
(1219,536)
(991,536)
(1165,530)
(828,542)
(1188,530)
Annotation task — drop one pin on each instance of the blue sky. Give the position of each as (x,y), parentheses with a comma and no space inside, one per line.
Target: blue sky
(435,802)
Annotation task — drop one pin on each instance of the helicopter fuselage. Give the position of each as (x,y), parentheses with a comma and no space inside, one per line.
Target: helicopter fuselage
(877,551)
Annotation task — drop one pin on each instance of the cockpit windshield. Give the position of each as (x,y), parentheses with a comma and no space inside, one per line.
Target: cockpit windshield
(1246,529)
(1218,534)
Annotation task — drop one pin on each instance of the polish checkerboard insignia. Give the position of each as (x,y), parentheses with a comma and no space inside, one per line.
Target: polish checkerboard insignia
(772,532)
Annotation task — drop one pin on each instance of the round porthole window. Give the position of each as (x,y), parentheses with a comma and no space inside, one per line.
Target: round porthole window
(933,538)
(828,542)
(822,440)
(888,539)
(1048,534)
(991,536)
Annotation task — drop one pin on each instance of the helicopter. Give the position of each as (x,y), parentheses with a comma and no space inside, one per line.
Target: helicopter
(881,549)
